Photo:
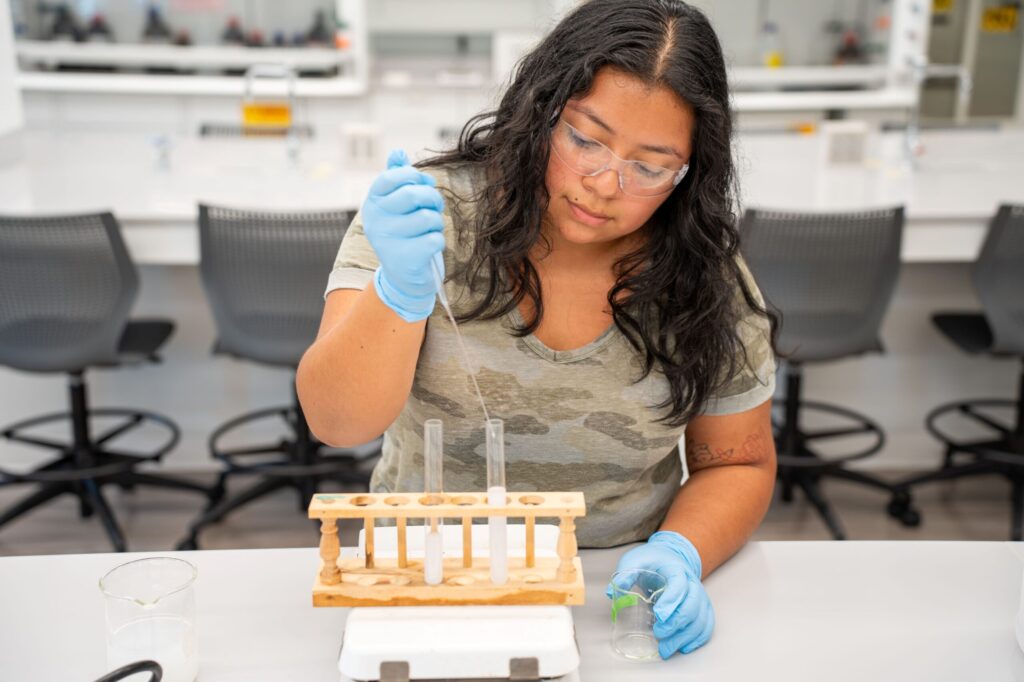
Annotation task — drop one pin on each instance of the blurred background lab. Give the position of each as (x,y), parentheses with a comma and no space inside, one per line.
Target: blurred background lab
(175,177)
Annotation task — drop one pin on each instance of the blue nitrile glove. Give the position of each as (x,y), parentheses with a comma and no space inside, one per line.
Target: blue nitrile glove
(683,615)
(402,220)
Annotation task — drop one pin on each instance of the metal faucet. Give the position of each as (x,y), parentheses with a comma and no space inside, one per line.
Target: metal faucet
(921,71)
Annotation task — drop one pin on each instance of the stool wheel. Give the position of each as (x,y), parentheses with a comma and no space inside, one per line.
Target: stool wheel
(188,544)
(901,509)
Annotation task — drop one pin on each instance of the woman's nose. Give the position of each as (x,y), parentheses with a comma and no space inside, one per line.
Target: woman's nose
(605,183)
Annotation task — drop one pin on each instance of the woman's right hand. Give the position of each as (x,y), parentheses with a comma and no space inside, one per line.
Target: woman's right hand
(402,220)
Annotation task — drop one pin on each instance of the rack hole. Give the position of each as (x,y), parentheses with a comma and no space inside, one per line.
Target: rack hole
(464,500)
(531,500)
(396,500)
(461,580)
(432,500)
(532,578)
(362,501)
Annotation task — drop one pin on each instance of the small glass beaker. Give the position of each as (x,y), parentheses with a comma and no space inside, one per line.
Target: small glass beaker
(634,594)
(151,614)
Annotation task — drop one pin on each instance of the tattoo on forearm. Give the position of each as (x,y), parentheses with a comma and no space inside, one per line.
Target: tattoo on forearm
(703,454)
(753,447)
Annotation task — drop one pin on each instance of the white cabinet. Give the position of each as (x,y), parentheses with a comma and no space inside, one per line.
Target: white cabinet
(209,67)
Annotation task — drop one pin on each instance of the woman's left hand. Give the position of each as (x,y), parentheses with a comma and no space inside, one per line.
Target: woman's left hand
(684,617)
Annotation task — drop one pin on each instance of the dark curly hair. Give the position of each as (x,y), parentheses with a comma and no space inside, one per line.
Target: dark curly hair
(675,298)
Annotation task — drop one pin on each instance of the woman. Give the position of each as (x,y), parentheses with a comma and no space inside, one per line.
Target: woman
(588,233)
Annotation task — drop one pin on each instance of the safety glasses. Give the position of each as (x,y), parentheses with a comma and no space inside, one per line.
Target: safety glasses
(588,157)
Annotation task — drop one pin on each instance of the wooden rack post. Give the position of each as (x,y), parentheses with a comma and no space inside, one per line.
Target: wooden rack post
(566,549)
(403,556)
(530,558)
(467,542)
(330,574)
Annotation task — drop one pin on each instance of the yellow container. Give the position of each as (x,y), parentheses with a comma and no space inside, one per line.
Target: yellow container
(266,114)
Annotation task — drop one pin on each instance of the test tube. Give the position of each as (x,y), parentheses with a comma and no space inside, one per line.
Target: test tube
(496,497)
(433,474)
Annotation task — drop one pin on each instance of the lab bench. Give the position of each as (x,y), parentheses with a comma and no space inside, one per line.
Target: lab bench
(787,611)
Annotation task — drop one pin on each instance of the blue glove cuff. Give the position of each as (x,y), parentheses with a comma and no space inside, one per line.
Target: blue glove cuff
(681,546)
(409,308)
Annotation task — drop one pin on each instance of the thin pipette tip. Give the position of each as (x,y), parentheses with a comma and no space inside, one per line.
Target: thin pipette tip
(439,281)
(458,336)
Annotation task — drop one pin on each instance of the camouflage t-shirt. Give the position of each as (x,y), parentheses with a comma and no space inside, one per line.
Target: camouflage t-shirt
(575,420)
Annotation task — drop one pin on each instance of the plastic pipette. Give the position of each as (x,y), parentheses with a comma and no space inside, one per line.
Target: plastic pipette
(443,298)
(398,158)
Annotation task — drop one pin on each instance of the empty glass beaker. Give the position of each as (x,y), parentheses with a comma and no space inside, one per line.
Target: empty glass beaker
(151,608)
(634,594)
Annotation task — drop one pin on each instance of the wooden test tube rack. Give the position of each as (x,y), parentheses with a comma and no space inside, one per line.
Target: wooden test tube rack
(373,581)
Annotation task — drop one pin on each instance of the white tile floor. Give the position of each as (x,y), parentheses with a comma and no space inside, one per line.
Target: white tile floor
(155,520)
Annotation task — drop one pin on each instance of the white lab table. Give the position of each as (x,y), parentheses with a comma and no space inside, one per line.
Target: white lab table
(950,194)
(788,611)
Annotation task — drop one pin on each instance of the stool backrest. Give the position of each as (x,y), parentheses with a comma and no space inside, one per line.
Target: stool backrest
(999,279)
(66,287)
(830,275)
(265,275)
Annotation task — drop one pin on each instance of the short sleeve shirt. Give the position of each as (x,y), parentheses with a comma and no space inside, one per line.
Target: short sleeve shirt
(575,420)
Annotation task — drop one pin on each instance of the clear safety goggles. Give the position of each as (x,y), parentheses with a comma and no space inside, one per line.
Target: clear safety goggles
(588,157)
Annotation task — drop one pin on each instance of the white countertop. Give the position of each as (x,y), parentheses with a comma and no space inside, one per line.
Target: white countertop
(961,174)
(787,611)
(823,100)
(950,194)
(172,85)
(191,56)
(756,88)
